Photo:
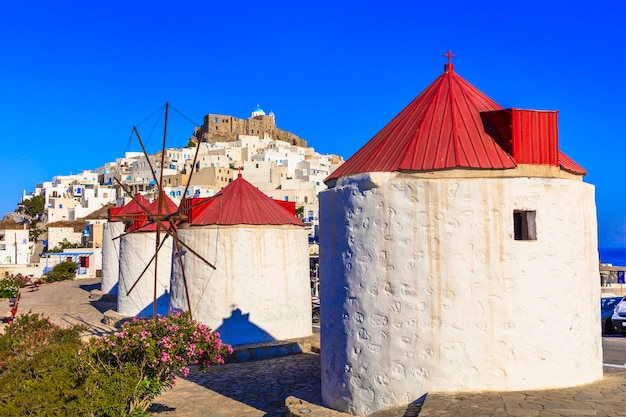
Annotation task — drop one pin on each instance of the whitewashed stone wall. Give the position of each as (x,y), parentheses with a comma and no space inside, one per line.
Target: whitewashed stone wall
(136,251)
(111,256)
(423,288)
(260,289)
(57,234)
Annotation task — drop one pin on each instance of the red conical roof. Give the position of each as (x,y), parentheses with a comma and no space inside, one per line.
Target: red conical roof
(442,128)
(130,210)
(161,205)
(242,203)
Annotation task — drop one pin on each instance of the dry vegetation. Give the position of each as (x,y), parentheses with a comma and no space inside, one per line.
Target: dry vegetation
(11,225)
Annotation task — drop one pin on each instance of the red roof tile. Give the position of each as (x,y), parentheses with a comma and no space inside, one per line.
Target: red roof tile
(162,205)
(129,210)
(137,210)
(242,203)
(568,164)
(442,128)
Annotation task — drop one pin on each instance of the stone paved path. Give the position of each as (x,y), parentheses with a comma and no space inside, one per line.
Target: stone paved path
(261,388)
(247,390)
(67,303)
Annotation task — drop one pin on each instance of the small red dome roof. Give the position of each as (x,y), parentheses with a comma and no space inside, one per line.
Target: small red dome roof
(241,203)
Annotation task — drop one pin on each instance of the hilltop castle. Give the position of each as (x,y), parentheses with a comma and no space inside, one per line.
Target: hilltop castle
(222,128)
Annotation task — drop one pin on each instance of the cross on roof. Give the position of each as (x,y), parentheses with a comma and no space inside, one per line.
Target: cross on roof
(449,67)
(450,55)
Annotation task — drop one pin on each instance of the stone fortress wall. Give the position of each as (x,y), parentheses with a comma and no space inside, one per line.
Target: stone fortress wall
(223,128)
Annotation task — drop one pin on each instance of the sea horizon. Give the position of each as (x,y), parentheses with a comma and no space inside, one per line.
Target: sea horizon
(613,255)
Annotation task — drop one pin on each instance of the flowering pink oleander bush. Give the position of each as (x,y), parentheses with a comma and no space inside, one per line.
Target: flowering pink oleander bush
(156,351)
(25,334)
(46,370)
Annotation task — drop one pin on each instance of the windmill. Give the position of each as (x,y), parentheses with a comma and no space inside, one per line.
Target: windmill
(160,216)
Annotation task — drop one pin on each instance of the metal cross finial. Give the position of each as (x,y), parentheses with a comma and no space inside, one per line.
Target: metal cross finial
(449,67)
(450,55)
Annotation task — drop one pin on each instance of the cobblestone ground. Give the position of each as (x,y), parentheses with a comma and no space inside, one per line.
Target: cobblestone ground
(248,389)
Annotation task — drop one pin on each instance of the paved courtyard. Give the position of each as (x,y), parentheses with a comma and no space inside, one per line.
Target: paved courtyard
(260,388)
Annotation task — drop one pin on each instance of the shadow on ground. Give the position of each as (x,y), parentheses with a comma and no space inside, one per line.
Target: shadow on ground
(263,385)
(90,287)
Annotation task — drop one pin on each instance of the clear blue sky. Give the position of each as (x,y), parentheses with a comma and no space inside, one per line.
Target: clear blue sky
(75,76)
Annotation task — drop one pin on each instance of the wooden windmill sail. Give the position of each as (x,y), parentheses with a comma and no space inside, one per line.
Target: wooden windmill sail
(161,216)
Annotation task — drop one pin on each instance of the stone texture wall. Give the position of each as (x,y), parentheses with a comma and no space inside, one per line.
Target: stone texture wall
(136,251)
(424,288)
(111,257)
(56,235)
(260,289)
(223,128)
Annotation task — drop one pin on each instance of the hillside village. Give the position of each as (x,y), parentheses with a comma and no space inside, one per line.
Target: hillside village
(277,162)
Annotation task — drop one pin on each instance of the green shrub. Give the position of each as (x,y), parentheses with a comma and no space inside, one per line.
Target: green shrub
(62,272)
(20,280)
(65,244)
(9,288)
(49,371)
(39,371)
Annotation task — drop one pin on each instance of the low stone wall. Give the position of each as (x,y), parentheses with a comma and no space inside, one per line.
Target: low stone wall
(295,407)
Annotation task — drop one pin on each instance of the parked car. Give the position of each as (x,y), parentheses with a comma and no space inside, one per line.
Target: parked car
(315,306)
(618,318)
(607,307)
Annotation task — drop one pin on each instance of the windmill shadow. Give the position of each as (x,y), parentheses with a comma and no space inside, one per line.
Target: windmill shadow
(239,330)
(90,287)
(114,289)
(258,384)
(162,309)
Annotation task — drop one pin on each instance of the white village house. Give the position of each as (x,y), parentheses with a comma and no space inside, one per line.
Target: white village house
(448,243)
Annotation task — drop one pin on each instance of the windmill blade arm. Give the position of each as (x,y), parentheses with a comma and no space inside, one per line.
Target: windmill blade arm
(160,181)
(193,167)
(145,153)
(147,266)
(136,200)
(182,271)
(174,235)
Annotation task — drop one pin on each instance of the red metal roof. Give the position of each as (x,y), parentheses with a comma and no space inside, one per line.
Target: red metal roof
(162,205)
(242,203)
(530,136)
(129,210)
(568,164)
(442,128)
(135,213)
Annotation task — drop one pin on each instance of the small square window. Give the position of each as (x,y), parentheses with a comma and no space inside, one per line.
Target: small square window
(524,225)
